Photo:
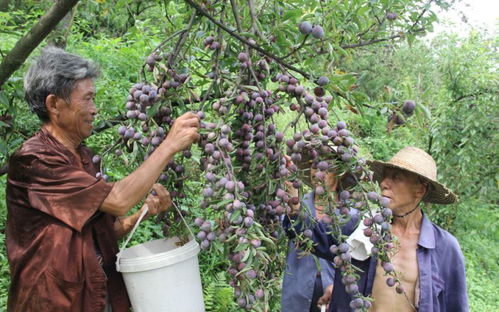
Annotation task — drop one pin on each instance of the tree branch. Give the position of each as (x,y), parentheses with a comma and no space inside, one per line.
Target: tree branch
(411,30)
(216,61)
(158,47)
(262,8)
(364,43)
(254,24)
(166,13)
(380,22)
(421,15)
(145,8)
(239,28)
(233,4)
(472,95)
(23,48)
(181,41)
(293,51)
(362,33)
(175,34)
(240,38)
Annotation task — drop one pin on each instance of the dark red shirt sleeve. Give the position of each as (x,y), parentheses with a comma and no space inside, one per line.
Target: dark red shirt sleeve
(64,190)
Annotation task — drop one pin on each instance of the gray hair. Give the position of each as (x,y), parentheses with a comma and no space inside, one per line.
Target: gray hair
(55,72)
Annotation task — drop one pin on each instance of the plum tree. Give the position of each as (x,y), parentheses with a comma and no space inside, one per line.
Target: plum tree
(240,84)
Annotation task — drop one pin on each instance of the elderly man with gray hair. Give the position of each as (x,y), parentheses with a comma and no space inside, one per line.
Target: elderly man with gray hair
(63,222)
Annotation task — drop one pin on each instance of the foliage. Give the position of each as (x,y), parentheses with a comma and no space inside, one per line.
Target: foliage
(218,295)
(14,130)
(456,81)
(465,133)
(476,229)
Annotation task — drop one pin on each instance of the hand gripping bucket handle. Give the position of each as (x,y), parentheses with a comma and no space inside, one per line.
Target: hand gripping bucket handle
(136,225)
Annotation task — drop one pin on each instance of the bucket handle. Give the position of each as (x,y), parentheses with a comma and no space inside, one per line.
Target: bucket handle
(136,225)
(185,223)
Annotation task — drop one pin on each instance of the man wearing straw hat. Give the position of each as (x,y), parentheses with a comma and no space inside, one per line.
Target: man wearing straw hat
(429,259)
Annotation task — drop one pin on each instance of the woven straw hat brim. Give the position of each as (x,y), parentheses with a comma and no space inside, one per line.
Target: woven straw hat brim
(437,193)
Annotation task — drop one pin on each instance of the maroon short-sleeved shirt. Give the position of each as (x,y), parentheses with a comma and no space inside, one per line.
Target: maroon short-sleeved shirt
(53,228)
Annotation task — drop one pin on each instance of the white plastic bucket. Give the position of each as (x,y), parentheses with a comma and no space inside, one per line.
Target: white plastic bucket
(162,277)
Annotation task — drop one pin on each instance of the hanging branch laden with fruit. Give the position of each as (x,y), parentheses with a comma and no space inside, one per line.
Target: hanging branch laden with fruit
(239,87)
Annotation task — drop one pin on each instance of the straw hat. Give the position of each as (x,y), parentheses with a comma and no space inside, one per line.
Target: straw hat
(417,161)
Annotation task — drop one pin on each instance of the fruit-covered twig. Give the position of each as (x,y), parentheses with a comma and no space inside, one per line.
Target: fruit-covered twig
(216,69)
(293,51)
(233,5)
(235,9)
(426,7)
(158,47)
(181,41)
(246,42)
(373,41)
(254,24)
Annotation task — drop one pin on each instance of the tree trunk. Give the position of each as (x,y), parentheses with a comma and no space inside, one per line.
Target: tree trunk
(59,35)
(23,48)
(4,5)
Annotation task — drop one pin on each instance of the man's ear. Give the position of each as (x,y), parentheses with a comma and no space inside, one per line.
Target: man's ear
(422,189)
(52,103)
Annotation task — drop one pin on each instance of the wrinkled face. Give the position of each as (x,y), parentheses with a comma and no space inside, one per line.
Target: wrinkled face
(404,189)
(77,115)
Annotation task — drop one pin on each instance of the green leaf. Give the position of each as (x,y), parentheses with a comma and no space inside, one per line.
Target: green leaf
(363,10)
(154,109)
(4,150)
(3,99)
(247,254)
(425,110)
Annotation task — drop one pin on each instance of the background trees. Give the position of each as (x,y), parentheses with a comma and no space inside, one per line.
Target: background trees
(369,51)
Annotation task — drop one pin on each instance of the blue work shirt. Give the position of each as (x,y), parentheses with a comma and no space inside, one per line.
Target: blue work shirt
(300,274)
(442,280)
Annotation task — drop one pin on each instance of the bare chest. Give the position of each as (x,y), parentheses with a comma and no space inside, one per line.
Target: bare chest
(404,260)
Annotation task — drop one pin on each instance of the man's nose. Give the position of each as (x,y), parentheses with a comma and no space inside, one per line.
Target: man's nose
(385,183)
(93,109)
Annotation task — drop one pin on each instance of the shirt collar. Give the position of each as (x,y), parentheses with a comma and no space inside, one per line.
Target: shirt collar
(48,136)
(426,234)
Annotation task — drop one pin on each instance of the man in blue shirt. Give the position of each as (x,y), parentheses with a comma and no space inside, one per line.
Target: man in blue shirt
(303,282)
(429,258)
(308,280)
